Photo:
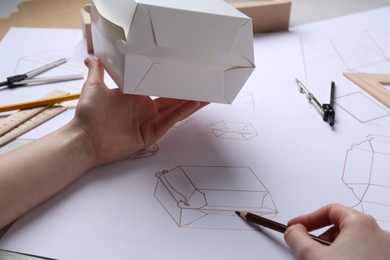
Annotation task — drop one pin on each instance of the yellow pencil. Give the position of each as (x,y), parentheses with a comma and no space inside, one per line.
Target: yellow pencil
(39,102)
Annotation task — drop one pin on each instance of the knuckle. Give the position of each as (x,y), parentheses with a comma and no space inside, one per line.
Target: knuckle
(307,252)
(369,220)
(361,219)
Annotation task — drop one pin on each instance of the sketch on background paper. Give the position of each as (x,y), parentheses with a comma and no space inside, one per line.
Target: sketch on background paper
(233,130)
(207,197)
(73,65)
(363,108)
(204,198)
(245,99)
(364,50)
(366,173)
(149,151)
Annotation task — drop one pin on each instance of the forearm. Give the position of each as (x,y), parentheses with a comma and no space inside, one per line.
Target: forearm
(37,171)
(107,126)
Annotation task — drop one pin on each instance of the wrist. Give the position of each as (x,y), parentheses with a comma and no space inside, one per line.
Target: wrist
(80,145)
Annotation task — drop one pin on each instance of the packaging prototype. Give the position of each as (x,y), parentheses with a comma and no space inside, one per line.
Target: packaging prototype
(193,49)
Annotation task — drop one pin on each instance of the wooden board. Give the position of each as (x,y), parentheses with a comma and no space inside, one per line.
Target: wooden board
(267,15)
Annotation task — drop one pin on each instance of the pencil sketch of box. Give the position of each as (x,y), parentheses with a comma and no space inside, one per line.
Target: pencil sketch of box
(149,151)
(233,130)
(367,174)
(208,196)
(192,49)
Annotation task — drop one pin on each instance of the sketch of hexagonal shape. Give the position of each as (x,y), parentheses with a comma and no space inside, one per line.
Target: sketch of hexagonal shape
(207,197)
(150,151)
(233,130)
(366,173)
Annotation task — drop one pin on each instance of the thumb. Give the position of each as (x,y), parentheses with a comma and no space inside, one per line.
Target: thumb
(299,241)
(95,70)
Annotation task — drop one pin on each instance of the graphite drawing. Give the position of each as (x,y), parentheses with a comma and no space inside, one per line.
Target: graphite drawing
(366,173)
(233,130)
(207,197)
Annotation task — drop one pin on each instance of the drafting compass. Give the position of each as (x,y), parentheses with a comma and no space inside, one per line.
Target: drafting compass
(326,110)
(28,78)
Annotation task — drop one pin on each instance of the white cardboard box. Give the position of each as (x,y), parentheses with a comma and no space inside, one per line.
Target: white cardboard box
(193,49)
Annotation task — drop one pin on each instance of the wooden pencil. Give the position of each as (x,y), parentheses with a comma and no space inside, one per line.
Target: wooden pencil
(39,102)
(272,224)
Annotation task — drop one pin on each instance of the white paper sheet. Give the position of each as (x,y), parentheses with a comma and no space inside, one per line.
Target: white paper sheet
(270,135)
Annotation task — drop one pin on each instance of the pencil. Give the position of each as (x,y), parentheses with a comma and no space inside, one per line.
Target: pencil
(39,102)
(272,224)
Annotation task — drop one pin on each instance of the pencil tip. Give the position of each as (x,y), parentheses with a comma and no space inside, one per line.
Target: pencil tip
(241,214)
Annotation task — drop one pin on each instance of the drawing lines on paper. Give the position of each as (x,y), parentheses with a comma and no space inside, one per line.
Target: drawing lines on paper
(245,99)
(381,35)
(233,130)
(362,107)
(74,65)
(206,197)
(74,62)
(363,48)
(149,151)
(366,173)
